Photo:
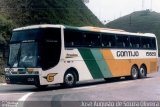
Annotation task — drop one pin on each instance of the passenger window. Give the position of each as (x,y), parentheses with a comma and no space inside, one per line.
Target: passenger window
(91,39)
(146,42)
(73,38)
(135,42)
(108,40)
(153,43)
(122,41)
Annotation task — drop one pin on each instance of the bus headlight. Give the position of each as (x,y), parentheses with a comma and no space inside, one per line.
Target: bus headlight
(36,72)
(8,71)
(7,79)
(30,70)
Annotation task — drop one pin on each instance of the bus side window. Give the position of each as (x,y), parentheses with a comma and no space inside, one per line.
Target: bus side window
(108,40)
(135,42)
(122,41)
(73,38)
(130,44)
(153,43)
(119,41)
(146,42)
(109,44)
(124,45)
(91,39)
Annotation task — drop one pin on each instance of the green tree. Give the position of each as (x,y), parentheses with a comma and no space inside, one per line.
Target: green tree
(5,29)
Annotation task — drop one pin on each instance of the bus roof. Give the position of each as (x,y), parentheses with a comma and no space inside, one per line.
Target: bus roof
(86,28)
(110,30)
(38,26)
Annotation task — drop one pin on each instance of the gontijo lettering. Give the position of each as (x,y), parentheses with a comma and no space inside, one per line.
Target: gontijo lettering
(127,53)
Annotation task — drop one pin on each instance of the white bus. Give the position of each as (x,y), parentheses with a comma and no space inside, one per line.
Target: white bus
(49,54)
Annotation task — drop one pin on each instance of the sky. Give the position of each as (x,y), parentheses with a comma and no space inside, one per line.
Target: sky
(108,10)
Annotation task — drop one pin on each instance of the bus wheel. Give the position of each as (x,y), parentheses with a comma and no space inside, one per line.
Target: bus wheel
(70,79)
(142,72)
(37,84)
(134,72)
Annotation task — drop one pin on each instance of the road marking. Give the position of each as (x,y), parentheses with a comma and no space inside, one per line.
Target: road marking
(79,88)
(2,84)
(23,99)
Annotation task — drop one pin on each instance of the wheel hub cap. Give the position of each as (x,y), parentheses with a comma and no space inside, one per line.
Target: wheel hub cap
(69,79)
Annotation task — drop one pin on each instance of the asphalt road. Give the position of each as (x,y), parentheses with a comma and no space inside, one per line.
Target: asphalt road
(87,94)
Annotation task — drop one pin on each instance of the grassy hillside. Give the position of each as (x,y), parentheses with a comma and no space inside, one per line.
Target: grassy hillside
(140,21)
(69,12)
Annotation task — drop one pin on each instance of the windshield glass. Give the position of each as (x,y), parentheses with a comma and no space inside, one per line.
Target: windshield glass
(35,48)
(13,56)
(23,55)
(31,34)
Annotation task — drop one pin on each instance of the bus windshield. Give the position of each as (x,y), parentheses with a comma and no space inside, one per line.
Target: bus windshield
(23,55)
(39,47)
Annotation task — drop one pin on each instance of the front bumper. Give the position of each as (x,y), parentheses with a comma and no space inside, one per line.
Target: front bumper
(22,79)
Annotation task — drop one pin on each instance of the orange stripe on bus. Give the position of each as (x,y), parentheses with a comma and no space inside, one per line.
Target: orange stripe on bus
(122,67)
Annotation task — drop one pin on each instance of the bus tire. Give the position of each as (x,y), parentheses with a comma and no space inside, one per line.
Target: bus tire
(70,79)
(134,72)
(37,84)
(142,71)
